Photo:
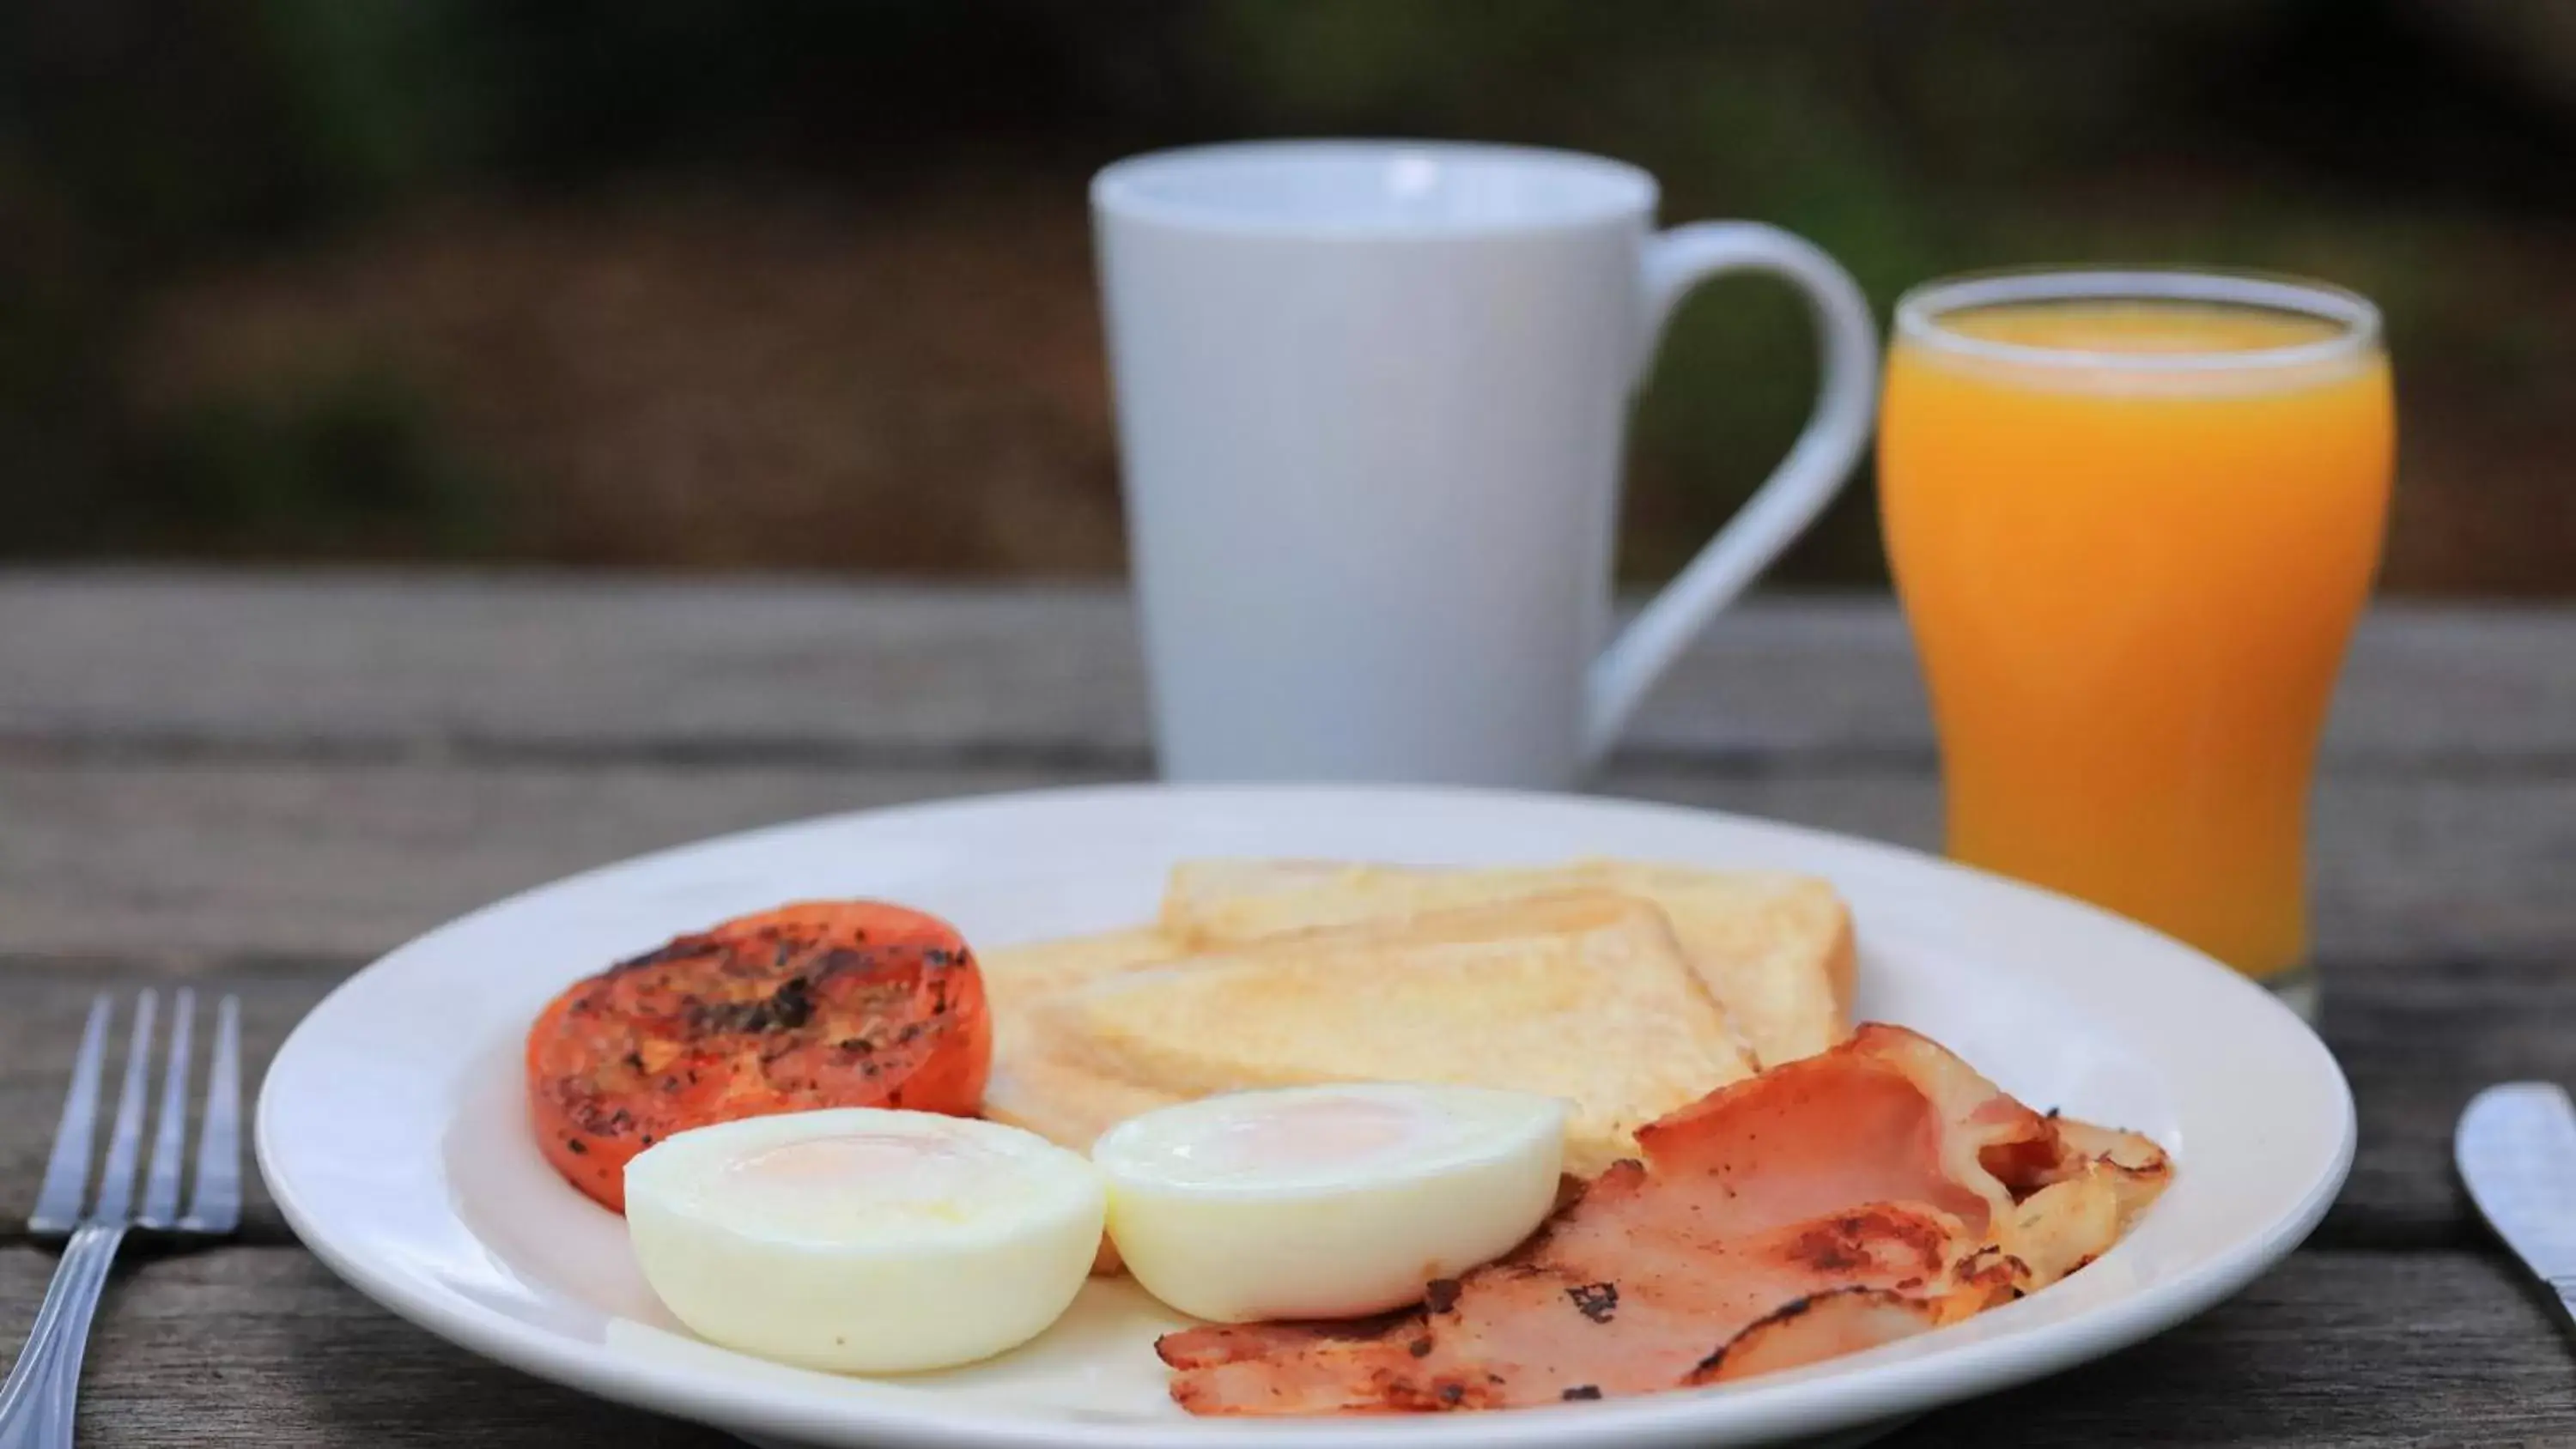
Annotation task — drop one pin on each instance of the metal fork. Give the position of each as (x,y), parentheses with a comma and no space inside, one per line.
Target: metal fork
(36,1402)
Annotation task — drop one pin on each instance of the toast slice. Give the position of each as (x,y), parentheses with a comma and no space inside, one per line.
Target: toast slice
(1584,995)
(1774,947)
(1039,1089)
(1017,975)
(1035,1088)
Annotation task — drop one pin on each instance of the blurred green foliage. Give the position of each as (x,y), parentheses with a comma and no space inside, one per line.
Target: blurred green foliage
(142,145)
(353,465)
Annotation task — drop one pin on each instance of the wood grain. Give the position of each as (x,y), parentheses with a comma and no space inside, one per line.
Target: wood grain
(265,780)
(350,858)
(2419,1036)
(394,664)
(2352,1349)
(40,1033)
(263,1347)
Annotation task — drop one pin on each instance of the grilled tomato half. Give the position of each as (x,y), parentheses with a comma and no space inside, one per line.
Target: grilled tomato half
(816,1004)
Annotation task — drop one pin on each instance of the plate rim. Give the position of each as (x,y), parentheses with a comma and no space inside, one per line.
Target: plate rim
(1796,1404)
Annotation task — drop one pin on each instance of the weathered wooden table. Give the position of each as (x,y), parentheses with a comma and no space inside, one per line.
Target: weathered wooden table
(265,781)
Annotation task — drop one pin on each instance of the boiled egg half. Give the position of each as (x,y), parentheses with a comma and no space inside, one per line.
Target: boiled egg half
(1326,1202)
(864,1240)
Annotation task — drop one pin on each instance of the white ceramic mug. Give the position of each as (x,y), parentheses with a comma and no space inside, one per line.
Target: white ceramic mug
(1371,399)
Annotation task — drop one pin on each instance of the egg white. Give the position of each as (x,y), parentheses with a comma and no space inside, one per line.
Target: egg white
(862,1240)
(1326,1202)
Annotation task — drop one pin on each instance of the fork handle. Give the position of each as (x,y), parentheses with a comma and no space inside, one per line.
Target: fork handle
(36,1403)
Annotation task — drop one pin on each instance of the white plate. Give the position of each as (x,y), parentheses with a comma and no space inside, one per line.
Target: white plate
(391,1131)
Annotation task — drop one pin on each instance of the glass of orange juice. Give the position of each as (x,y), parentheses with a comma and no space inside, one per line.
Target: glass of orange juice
(2133,516)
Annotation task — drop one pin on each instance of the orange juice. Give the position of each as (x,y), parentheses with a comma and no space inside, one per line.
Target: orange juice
(2132,537)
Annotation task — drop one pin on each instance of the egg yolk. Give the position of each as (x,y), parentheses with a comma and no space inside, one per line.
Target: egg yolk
(817,1182)
(1309,1132)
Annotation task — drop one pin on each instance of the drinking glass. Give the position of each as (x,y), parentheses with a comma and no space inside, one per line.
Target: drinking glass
(2133,516)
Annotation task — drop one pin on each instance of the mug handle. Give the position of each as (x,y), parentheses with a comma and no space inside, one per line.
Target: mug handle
(1677,261)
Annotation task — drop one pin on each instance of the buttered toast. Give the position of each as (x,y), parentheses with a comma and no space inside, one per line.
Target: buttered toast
(1583,995)
(1017,975)
(1034,1084)
(1775,948)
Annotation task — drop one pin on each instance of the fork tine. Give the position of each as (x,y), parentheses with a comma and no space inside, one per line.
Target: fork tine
(125,1143)
(170,1134)
(214,1206)
(58,1202)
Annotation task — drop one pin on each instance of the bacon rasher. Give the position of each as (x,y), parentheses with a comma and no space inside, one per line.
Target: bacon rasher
(1826,1206)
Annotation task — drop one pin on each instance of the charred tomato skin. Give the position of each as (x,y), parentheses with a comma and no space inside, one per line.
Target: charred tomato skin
(811,1005)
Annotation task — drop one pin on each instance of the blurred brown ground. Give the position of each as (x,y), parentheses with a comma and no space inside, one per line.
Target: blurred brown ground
(707,380)
(809,286)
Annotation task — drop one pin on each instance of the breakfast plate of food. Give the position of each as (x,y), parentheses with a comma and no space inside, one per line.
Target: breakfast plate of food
(1142,1116)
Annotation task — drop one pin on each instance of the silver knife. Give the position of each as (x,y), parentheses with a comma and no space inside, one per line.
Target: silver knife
(2516,1149)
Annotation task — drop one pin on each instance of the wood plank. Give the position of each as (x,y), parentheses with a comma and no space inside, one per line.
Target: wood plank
(40,1033)
(350,858)
(2331,1348)
(393,663)
(443,661)
(2400,866)
(2418,1037)
(262,1347)
(265,780)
